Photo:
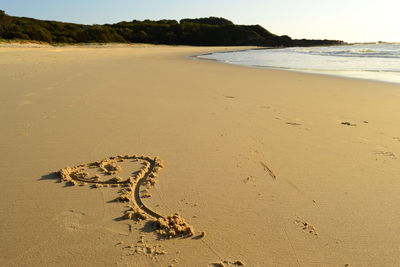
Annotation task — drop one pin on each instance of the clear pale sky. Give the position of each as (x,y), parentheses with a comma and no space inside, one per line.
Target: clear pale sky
(349,20)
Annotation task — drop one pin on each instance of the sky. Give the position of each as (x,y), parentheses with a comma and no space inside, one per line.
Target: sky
(348,20)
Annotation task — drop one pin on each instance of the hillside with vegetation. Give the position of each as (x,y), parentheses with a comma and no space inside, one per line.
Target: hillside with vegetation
(210,31)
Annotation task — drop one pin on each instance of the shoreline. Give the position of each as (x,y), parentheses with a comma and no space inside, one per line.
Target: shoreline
(299,164)
(320,72)
(299,71)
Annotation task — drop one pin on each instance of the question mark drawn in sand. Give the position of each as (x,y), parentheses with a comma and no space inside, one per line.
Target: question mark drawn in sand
(169,226)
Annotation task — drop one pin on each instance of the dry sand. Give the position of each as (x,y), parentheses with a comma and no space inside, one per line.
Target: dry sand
(269,168)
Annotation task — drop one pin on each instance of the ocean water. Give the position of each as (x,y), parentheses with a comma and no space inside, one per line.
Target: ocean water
(379,62)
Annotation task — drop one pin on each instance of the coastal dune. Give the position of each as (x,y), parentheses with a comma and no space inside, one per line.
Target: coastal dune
(270,168)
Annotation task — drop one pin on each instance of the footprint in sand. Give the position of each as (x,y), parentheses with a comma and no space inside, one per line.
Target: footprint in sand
(30,94)
(305,226)
(24,102)
(71,219)
(249,179)
(49,116)
(227,264)
(293,123)
(386,154)
(348,123)
(130,173)
(52,86)
(229,96)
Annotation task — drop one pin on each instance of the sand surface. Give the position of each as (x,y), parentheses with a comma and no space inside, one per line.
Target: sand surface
(270,168)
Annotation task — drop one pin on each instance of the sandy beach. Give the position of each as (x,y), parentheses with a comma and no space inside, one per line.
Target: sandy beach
(268,167)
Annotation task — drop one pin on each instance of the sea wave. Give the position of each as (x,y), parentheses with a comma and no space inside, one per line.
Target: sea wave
(370,61)
(376,51)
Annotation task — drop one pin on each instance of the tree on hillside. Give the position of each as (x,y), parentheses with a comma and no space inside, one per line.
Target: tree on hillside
(198,31)
(209,21)
(4,22)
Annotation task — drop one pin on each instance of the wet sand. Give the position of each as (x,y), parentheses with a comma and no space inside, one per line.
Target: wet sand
(266,167)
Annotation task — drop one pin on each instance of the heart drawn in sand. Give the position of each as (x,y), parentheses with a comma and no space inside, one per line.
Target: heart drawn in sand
(130,173)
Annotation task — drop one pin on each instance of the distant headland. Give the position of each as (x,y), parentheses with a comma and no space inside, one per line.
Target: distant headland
(211,31)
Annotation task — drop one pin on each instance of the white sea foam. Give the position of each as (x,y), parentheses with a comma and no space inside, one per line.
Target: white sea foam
(368,61)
